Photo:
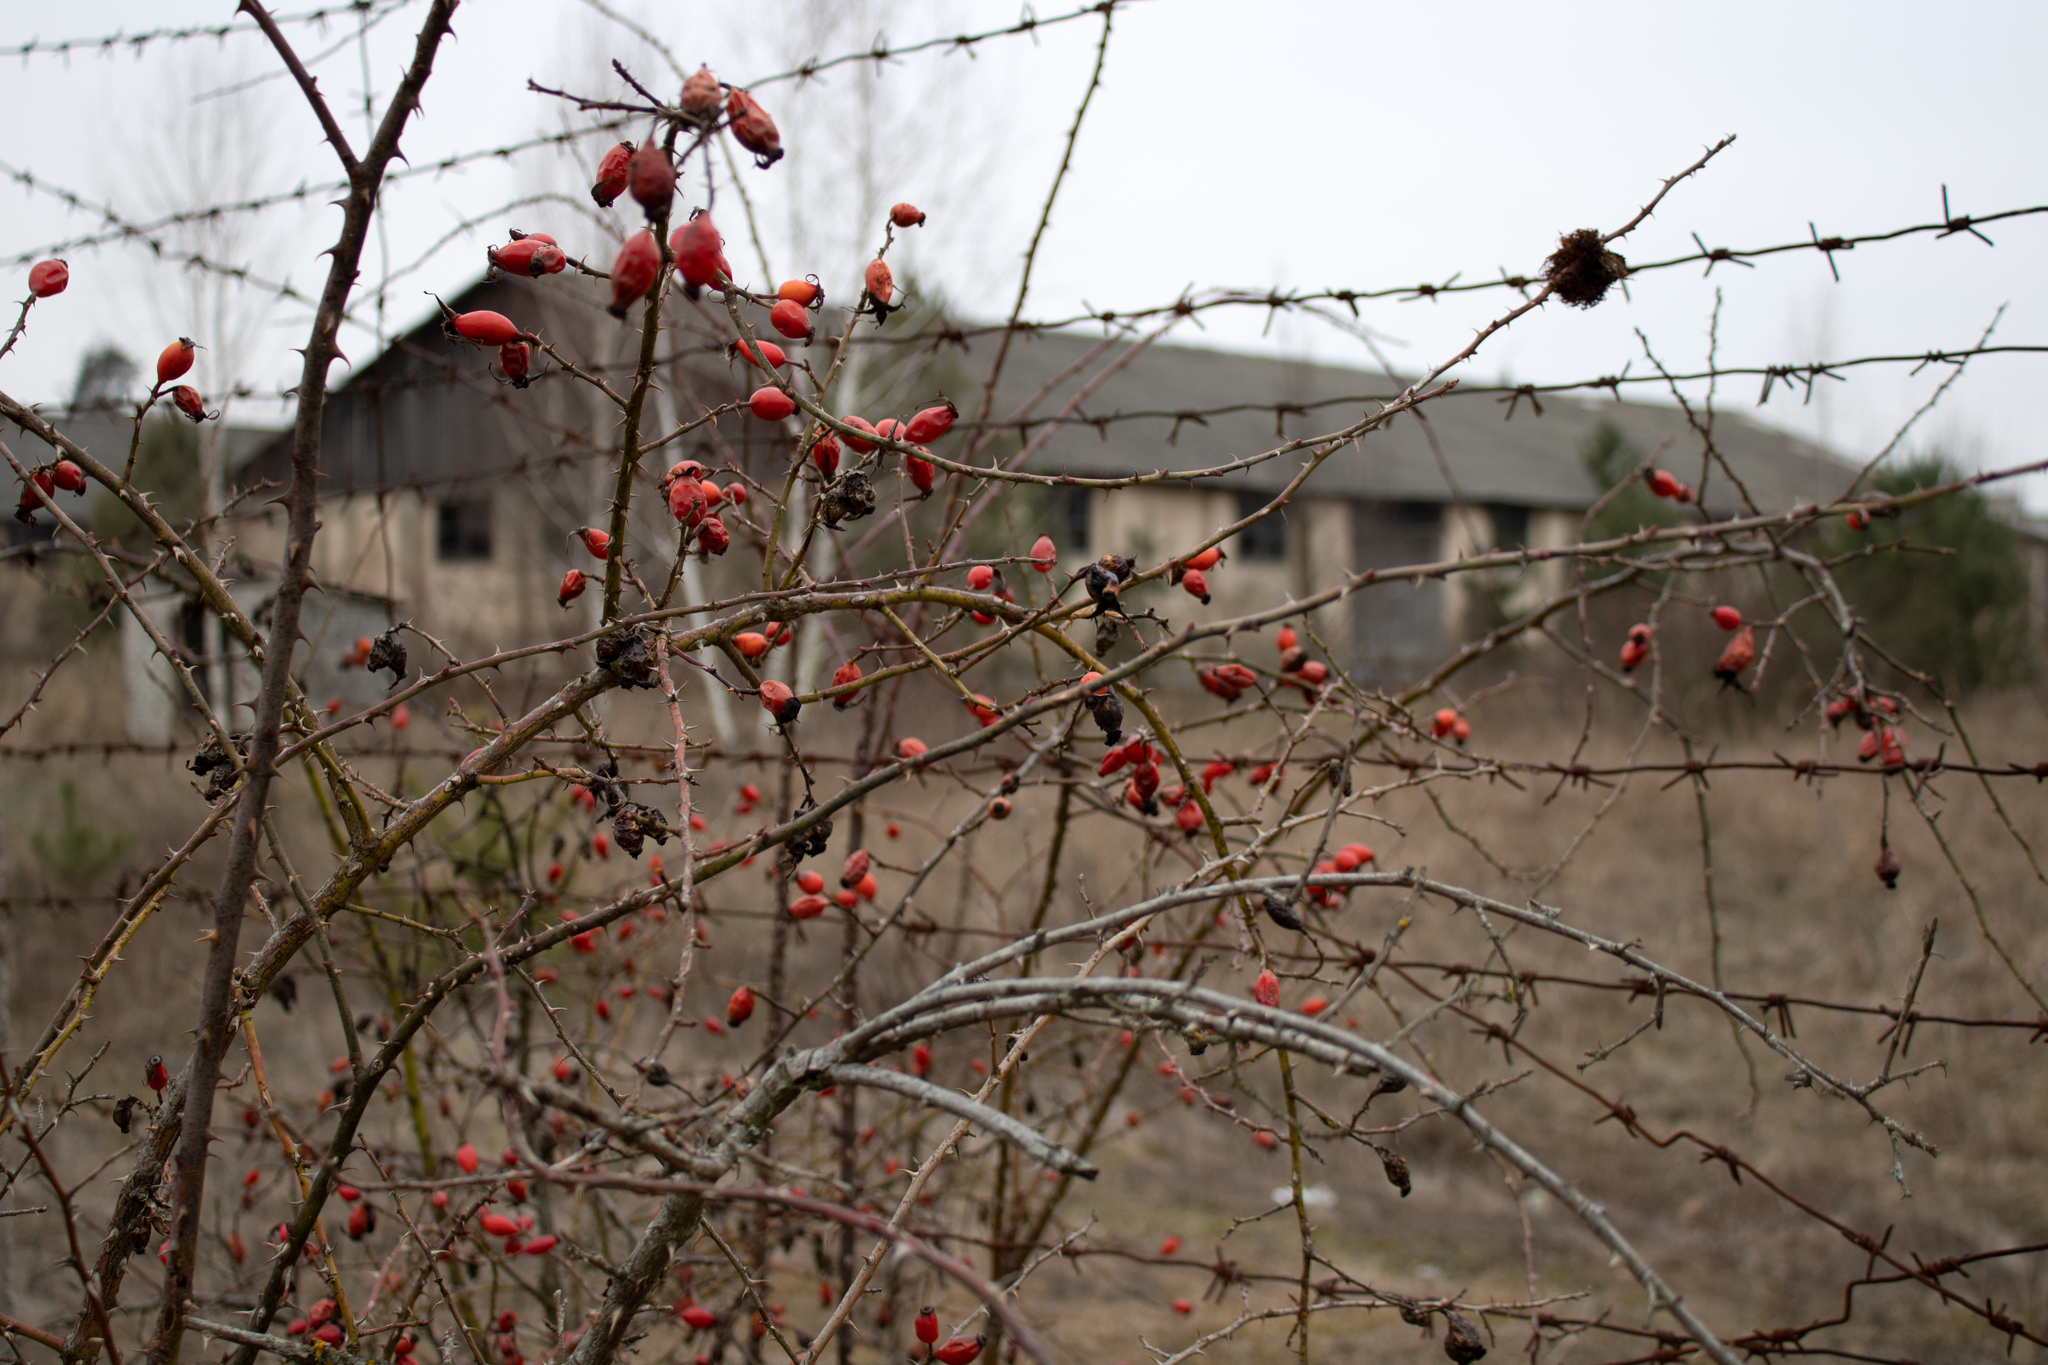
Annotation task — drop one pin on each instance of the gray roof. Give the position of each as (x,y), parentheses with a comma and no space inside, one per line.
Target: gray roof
(429,411)
(1526,459)
(426,411)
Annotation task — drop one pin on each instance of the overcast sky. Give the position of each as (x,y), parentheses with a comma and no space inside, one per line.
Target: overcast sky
(1292,145)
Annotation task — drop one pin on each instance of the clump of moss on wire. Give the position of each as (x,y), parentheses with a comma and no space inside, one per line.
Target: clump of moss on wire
(1582,269)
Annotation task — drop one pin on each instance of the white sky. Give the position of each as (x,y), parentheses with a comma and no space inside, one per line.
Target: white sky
(1298,145)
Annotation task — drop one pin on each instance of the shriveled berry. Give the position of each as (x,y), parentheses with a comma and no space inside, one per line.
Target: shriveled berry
(532,256)
(686,500)
(855,868)
(701,96)
(825,455)
(1462,1343)
(842,676)
(611,175)
(881,285)
(1740,654)
(753,129)
(634,271)
(778,701)
(187,400)
(699,253)
(1266,988)
(712,537)
(515,358)
(651,178)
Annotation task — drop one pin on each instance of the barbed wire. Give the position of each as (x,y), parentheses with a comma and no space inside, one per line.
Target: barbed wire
(474,869)
(137,42)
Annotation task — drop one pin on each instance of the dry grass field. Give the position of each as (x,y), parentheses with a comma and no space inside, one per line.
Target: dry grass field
(1799,913)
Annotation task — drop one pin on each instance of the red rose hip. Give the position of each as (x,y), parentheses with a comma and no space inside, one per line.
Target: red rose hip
(175,359)
(611,175)
(48,277)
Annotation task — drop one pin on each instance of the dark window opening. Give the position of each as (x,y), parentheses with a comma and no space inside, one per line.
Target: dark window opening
(1510,526)
(188,641)
(1070,517)
(1266,539)
(464,531)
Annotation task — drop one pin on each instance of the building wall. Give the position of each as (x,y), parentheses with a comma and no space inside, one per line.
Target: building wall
(1151,523)
(1384,632)
(392,547)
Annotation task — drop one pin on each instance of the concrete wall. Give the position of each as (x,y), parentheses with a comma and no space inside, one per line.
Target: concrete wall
(1152,523)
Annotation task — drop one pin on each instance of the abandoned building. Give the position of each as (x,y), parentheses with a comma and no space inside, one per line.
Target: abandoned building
(451,498)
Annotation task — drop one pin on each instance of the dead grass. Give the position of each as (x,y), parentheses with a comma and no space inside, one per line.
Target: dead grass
(1800,913)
